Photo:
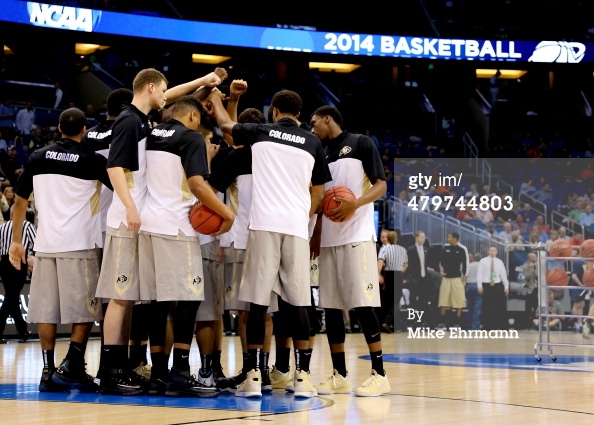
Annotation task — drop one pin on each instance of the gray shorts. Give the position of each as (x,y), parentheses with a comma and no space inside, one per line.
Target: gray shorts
(213,305)
(63,288)
(233,272)
(276,262)
(170,267)
(119,267)
(348,276)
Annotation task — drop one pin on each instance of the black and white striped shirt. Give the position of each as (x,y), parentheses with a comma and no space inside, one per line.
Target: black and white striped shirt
(29,235)
(394,257)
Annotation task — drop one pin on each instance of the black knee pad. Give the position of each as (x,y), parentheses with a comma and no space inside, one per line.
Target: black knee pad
(156,322)
(255,324)
(334,326)
(369,323)
(313,320)
(139,325)
(280,324)
(184,321)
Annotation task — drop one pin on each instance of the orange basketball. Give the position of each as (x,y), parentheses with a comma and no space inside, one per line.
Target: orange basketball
(557,277)
(329,203)
(204,220)
(587,248)
(560,248)
(588,279)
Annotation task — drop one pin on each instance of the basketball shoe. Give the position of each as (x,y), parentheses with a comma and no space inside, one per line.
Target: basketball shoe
(335,384)
(374,386)
(279,380)
(303,388)
(251,386)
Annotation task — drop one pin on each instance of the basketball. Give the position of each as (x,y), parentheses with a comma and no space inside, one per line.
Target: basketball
(204,220)
(330,203)
(560,248)
(588,279)
(557,277)
(587,248)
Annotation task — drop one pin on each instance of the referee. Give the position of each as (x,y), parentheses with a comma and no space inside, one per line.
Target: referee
(392,261)
(13,279)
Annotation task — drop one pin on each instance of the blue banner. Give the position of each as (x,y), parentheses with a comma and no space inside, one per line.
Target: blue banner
(106,22)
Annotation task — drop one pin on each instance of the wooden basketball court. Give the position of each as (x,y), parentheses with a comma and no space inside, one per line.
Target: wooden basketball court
(434,381)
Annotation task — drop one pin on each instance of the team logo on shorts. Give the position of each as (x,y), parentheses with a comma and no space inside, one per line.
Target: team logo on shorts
(197,280)
(122,278)
(344,151)
(229,289)
(314,267)
(370,286)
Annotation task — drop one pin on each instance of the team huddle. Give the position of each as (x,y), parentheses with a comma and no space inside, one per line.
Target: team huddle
(118,246)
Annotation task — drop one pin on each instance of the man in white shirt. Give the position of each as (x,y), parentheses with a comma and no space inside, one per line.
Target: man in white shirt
(506,233)
(493,284)
(25,119)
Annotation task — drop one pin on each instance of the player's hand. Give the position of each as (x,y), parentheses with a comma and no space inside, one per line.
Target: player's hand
(211,80)
(215,95)
(238,87)
(381,281)
(225,226)
(212,150)
(221,72)
(480,290)
(506,291)
(16,255)
(344,210)
(133,219)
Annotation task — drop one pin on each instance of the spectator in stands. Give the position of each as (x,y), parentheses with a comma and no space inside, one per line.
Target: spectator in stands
(530,289)
(563,233)
(485,216)
(587,220)
(534,237)
(528,213)
(544,194)
(3,144)
(576,212)
(576,241)
(25,120)
(487,191)
(555,307)
(553,236)
(588,173)
(544,227)
(59,95)
(520,224)
(473,192)
(506,233)
(8,194)
(578,296)
(505,216)
(7,118)
(527,188)
(516,242)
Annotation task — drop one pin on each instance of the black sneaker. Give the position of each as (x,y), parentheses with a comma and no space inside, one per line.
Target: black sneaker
(47,385)
(218,373)
(182,384)
(158,386)
(229,385)
(76,378)
(118,382)
(3,341)
(26,337)
(266,384)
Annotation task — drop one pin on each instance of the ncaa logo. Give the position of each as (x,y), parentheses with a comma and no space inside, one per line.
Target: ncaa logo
(558,52)
(63,17)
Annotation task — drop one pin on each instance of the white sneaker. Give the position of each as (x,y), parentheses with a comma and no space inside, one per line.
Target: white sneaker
(252,386)
(303,385)
(374,386)
(206,378)
(336,384)
(280,380)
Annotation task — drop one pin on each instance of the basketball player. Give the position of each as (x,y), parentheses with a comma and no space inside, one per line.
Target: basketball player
(286,161)
(69,230)
(119,270)
(169,252)
(348,271)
